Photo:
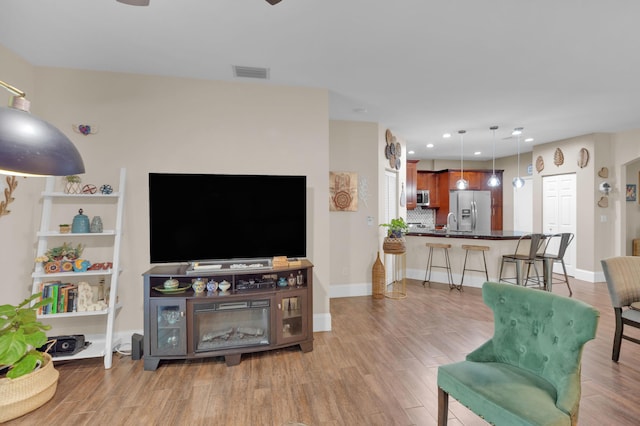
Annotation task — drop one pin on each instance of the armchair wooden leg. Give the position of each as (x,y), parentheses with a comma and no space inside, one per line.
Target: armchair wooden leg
(443,407)
(617,338)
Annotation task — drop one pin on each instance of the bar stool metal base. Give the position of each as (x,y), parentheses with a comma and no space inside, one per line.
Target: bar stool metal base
(446,266)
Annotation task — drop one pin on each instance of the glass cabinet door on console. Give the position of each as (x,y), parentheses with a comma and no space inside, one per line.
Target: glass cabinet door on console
(291,316)
(168,327)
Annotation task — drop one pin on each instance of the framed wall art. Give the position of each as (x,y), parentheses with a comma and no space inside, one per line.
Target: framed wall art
(631,192)
(343,191)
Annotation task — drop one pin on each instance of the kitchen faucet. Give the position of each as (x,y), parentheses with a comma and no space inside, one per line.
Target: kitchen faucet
(451,215)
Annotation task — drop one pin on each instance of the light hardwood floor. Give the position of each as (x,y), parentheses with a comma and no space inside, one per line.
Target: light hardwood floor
(377,366)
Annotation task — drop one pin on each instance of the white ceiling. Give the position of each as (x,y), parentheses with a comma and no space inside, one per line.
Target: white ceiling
(558,68)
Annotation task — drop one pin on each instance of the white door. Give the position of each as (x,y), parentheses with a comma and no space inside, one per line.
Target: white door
(523,206)
(559,214)
(390,196)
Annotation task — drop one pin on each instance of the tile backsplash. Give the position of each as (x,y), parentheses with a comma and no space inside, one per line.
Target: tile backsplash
(425,217)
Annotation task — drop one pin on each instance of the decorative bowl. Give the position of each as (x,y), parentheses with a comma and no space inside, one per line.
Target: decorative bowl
(171,283)
(198,285)
(212,285)
(224,285)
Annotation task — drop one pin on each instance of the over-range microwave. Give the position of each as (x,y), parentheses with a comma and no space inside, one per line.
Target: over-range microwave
(422,197)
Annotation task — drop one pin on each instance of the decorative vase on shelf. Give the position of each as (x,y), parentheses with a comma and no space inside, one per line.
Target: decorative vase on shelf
(96,225)
(212,285)
(80,223)
(224,286)
(291,280)
(198,285)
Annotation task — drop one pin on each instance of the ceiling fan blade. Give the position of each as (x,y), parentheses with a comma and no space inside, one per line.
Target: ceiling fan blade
(272,2)
(135,2)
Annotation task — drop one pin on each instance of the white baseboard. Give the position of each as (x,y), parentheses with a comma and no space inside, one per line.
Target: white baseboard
(589,276)
(349,290)
(321,322)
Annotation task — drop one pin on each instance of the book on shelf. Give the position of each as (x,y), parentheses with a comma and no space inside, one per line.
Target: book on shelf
(64,297)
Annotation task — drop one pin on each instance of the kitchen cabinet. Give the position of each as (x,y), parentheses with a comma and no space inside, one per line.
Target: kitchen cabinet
(478,180)
(429,181)
(412,178)
(423,180)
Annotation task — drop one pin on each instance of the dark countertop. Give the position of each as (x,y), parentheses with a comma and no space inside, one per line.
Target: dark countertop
(479,235)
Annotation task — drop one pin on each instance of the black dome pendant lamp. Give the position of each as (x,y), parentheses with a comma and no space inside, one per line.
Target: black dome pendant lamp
(30,146)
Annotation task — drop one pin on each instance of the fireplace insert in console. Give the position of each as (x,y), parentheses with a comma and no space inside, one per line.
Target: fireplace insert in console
(223,325)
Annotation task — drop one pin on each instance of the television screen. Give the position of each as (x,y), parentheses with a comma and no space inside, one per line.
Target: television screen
(199,217)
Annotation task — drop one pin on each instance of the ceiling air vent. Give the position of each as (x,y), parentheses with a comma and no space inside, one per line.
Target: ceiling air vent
(251,72)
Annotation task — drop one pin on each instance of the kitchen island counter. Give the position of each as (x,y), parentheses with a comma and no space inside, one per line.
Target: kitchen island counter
(499,243)
(477,235)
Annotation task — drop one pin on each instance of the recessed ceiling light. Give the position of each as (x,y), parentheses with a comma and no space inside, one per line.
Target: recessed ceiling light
(446,135)
(412,152)
(360,110)
(528,140)
(477,153)
(429,145)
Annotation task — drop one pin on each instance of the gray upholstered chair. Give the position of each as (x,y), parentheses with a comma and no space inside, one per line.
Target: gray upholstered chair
(529,372)
(623,280)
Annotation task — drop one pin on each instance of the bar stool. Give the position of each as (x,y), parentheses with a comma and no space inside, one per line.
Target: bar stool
(447,264)
(481,249)
(521,257)
(554,251)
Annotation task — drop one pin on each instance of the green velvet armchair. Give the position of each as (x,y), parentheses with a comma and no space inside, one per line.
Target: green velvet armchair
(528,373)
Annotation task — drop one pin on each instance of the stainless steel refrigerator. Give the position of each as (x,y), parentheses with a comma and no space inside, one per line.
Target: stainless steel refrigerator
(472,210)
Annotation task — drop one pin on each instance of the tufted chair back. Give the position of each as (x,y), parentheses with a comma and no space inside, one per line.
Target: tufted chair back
(540,332)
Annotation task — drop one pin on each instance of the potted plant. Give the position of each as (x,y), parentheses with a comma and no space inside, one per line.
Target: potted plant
(60,259)
(70,252)
(394,242)
(72,184)
(396,227)
(27,376)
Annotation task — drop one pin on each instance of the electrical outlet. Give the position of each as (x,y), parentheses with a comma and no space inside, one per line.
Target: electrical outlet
(370,220)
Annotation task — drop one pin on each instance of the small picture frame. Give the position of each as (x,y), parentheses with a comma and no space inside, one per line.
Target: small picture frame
(631,192)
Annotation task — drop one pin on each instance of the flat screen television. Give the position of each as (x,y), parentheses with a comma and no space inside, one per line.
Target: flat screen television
(208,217)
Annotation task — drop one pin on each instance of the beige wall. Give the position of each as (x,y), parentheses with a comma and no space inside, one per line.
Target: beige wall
(587,229)
(151,123)
(354,235)
(625,154)
(632,208)
(159,124)
(17,229)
